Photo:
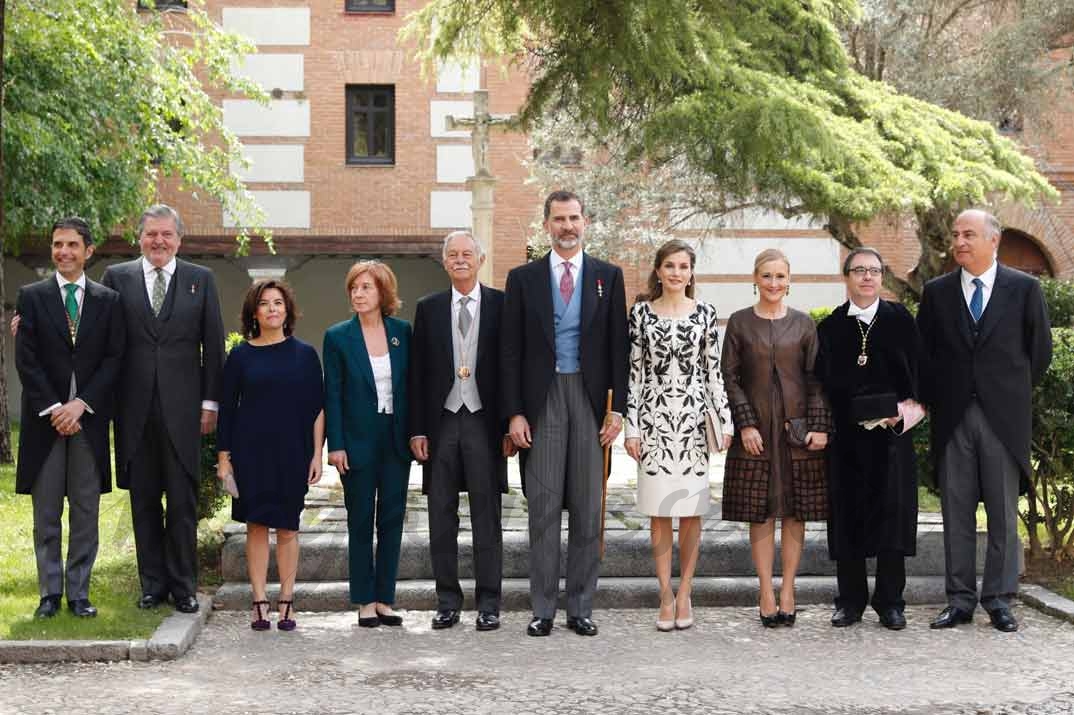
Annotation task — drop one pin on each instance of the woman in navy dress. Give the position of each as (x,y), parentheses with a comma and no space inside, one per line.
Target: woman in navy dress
(270,437)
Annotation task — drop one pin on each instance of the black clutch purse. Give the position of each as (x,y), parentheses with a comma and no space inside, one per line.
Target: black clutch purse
(797,430)
(864,408)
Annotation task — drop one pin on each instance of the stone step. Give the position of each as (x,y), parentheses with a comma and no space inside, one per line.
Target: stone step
(632,592)
(724,553)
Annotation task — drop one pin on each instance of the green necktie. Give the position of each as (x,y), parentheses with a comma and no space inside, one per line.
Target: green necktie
(158,291)
(71,303)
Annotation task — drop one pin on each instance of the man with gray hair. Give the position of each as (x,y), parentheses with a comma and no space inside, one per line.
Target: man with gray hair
(168,392)
(455,428)
(986,341)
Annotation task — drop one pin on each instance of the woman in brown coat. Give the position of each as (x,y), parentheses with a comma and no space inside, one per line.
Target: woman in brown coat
(775,467)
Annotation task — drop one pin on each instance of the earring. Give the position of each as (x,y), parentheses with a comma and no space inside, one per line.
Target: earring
(755,289)
(788,291)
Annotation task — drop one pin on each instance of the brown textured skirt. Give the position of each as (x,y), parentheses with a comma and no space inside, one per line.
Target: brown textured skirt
(746,489)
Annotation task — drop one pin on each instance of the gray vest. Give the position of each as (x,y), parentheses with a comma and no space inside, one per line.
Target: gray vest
(464,392)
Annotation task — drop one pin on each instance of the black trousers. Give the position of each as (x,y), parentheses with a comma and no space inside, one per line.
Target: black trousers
(166,540)
(463,460)
(854,586)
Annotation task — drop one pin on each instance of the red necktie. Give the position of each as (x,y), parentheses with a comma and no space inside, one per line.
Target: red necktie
(566,283)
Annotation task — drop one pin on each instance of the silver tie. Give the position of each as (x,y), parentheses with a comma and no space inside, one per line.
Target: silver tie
(157,300)
(464,315)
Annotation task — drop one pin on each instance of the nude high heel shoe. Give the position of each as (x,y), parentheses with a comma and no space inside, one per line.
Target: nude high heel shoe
(683,623)
(668,625)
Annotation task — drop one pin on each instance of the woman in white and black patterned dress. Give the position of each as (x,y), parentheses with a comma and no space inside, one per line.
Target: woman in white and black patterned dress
(675,382)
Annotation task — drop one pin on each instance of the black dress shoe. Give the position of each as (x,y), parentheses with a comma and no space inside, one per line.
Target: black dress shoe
(582,626)
(391,619)
(487,621)
(539,627)
(951,617)
(371,622)
(445,618)
(49,607)
(82,608)
(844,617)
(787,619)
(151,600)
(1003,620)
(186,604)
(893,619)
(772,621)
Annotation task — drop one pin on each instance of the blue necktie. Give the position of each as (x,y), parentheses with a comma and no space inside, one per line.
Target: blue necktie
(977,301)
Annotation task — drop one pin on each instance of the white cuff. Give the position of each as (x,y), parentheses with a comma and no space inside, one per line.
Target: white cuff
(86,405)
(210,405)
(48,410)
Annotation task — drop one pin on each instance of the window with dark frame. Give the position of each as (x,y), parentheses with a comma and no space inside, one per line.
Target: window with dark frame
(369,5)
(370,124)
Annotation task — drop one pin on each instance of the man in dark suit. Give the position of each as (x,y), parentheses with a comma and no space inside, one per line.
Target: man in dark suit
(564,338)
(986,341)
(68,352)
(167,400)
(456,428)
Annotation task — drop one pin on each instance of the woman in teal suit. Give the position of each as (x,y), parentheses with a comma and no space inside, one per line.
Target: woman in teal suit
(365,365)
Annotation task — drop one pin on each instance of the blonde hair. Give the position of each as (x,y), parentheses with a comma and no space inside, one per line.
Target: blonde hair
(768,255)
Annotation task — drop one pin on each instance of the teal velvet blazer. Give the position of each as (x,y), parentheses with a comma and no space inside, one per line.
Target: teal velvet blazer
(350,404)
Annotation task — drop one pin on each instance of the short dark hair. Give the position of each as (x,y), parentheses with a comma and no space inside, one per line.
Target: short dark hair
(860,250)
(561,197)
(250,328)
(77,225)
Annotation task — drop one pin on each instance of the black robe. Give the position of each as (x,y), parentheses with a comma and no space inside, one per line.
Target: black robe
(872,475)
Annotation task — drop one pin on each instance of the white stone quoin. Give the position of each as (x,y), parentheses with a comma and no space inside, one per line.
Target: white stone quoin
(452,77)
(281,118)
(272,163)
(270,25)
(449,209)
(454,163)
(734,256)
(272,71)
(283,209)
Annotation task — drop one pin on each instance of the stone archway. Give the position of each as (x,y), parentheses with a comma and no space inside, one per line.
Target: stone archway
(1049,233)
(1017,249)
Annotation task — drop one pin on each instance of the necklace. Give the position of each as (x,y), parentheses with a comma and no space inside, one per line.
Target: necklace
(863,359)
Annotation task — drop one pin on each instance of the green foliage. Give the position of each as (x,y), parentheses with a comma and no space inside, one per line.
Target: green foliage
(1059,295)
(1051,490)
(211,495)
(101,102)
(819,314)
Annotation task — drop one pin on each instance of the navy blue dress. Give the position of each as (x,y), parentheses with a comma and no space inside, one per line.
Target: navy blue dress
(271,396)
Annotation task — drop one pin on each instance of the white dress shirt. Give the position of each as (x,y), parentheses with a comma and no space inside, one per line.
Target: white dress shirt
(988,278)
(382,378)
(556,262)
(79,297)
(150,273)
(865,315)
(471,307)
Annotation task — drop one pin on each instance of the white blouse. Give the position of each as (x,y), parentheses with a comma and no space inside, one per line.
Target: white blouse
(382,376)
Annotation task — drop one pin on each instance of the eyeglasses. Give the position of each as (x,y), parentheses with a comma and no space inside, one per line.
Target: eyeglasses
(860,271)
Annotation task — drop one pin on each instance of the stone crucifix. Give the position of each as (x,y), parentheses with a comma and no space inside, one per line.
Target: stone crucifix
(482,183)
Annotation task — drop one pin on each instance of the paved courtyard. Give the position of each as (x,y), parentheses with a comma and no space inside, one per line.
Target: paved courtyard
(726,664)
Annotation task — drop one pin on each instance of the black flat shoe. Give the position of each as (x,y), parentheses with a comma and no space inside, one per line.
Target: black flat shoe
(186,604)
(1003,620)
(390,619)
(771,621)
(151,600)
(787,619)
(893,619)
(445,618)
(487,621)
(582,626)
(844,617)
(82,608)
(951,617)
(371,622)
(539,627)
(49,607)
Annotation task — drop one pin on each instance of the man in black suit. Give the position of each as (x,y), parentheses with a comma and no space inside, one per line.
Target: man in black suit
(167,400)
(68,352)
(986,341)
(565,345)
(456,429)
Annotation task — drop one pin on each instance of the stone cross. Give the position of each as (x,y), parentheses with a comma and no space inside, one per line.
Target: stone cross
(482,183)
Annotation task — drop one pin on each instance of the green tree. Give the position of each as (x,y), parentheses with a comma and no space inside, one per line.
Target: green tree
(756,100)
(100,103)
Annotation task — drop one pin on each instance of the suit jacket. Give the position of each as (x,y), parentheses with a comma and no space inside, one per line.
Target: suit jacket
(179,354)
(527,336)
(45,358)
(432,374)
(350,394)
(998,364)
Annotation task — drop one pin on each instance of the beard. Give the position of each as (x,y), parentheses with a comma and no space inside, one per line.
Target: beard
(566,242)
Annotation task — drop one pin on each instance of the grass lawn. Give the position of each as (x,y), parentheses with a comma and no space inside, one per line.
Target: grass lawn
(114,589)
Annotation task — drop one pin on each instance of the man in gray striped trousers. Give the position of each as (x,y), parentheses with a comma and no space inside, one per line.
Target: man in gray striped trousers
(564,345)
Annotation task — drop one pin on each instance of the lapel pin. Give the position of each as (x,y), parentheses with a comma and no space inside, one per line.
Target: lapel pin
(600,288)
(193,288)
(395,342)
